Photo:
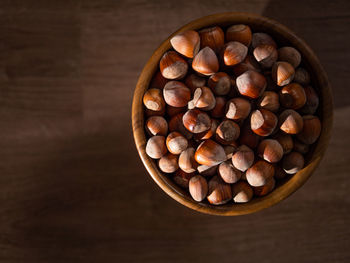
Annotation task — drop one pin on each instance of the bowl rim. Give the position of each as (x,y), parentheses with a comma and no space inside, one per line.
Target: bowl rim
(294,182)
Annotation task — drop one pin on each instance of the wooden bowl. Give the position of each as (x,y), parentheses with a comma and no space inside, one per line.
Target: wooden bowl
(283,36)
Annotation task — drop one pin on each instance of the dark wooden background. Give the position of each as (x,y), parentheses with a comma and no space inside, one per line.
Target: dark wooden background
(73,188)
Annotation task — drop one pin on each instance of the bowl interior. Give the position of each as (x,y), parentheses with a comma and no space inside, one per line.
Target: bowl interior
(284,188)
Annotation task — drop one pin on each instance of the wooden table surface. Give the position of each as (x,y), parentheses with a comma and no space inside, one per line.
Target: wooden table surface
(73,188)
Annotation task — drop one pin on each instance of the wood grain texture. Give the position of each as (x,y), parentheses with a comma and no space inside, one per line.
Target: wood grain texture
(73,188)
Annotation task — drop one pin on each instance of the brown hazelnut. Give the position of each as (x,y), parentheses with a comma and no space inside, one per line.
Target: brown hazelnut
(243,158)
(155,147)
(210,153)
(292,96)
(182,179)
(270,150)
(228,172)
(212,37)
(207,134)
(207,171)
(198,188)
(220,83)
(238,109)
(263,122)
(242,192)
(266,188)
(168,163)
(176,142)
(193,82)
(290,122)
(219,192)
(153,100)
(157,125)
(186,43)
(240,33)
(290,55)
(196,121)
(176,124)
(282,73)
(233,53)
(312,101)
(176,94)
(158,81)
(248,137)
(300,147)
(311,129)
(173,66)
(260,173)
(269,100)
(262,39)
(220,106)
(249,63)
(227,131)
(266,55)
(251,84)
(293,162)
(187,163)
(286,141)
(203,98)
(302,76)
(206,62)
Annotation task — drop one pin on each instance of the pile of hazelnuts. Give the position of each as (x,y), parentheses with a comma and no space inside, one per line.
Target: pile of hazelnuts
(229,113)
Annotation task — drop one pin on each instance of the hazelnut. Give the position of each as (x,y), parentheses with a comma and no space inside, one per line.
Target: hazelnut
(270,150)
(248,137)
(158,81)
(302,76)
(153,100)
(243,158)
(176,143)
(293,162)
(266,55)
(182,179)
(176,124)
(196,121)
(186,43)
(249,63)
(157,125)
(260,173)
(311,129)
(207,171)
(176,94)
(290,55)
(155,147)
(193,82)
(266,188)
(263,122)
(251,84)
(210,153)
(238,109)
(312,101)
(290,122)
(233,53)
(168,163)
(173,66)
(198,188)
(262,39)
(240,33)
(219,191)
(220,83)
(203,98)
(227,131)
(282,73)
(229,173)
(293,96)
(187,163)
(212,37)
(242,192)
(206,62)
(207,134)
(219,110)
(229,151)
(172,111)
(300,147)
(269,100)
(286,142)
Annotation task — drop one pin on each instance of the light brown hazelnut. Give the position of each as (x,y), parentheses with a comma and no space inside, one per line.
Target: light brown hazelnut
(233,53)
(198,188)
(242,192)
(251,84)
(212,37)
(238,109)
(270,150)
(207,171)
(187,163)
(220,83)
(173,66)
(266,188)
(196,121)
(292,96)
(203,99)
(157,125)
(282,73)
(153,100)
(207,134)
(243,158)
(228,172)
(206,62)
(240,33)
(176,94)
(176,142)
(263,122)
(210,153)
(219,192)
(155,147)
(269,100)
(290,122)
(227,131)
(266,55)
(260,173)
(186,43)
(168,163)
